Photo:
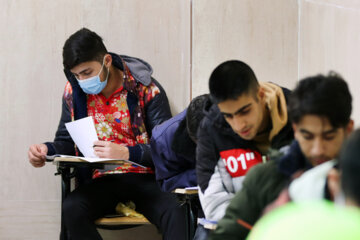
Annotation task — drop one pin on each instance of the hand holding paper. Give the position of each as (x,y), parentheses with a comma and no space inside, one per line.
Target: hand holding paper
(83,133)
(104,149)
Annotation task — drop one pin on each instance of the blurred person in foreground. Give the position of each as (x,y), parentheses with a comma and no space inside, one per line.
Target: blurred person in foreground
(296,220)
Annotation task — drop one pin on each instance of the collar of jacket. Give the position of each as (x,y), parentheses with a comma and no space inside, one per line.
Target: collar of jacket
(293,160)
(182,143)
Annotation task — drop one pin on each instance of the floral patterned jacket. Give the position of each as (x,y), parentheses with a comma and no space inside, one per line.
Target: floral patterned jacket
(147,103)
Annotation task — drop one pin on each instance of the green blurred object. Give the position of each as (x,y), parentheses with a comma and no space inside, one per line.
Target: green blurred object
(309,221)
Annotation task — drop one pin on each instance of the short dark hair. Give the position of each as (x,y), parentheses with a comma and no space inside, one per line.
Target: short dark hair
(194,115)
(324,96)
(82,46)
(230,80)
(349,162)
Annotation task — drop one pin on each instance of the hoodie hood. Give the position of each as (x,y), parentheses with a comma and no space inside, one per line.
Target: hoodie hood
(276,103)
(139,69)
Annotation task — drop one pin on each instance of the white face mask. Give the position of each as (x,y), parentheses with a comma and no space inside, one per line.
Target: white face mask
(93,85)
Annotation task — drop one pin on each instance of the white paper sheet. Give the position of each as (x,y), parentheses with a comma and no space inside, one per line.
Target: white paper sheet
(83,133)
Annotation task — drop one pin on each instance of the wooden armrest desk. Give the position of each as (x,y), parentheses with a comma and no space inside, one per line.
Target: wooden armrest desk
(71,162)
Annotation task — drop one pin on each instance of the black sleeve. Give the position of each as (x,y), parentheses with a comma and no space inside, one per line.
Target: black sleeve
(157,111)
(206,155)
(63,144)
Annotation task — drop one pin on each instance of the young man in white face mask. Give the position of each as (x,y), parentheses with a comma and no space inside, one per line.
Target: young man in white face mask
(126,103)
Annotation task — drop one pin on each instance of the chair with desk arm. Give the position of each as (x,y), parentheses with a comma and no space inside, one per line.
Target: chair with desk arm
(81,171)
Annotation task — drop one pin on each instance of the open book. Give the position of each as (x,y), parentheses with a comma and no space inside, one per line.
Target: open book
(88,159)
(84,134)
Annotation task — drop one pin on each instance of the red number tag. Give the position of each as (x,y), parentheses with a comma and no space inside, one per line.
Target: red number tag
(239,161)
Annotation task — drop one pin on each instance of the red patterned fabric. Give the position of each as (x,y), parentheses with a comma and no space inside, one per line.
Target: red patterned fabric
(112,122)
(126,168)
(112,117)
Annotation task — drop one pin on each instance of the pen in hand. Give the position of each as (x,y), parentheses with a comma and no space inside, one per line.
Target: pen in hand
(112,140)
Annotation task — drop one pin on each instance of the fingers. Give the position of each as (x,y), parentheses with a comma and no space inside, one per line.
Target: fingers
(38,164)
(110,150)
(103,146)
(36,161)
(101,152)
(101,155)
(36,155)
(42,149)
(102,143)
(35,150)
(100,149)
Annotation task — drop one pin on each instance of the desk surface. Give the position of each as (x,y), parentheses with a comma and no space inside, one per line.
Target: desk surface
(121,220)
(77,160)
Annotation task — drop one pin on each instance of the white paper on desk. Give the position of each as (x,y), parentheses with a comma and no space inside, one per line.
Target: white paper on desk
(83,133)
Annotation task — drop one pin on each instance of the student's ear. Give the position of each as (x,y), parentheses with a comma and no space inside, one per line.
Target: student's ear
(333,178)
(261,93)
(294,127)
(108,60)
(350,127)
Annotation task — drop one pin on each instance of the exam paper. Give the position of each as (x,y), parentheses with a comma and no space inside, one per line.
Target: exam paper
(83,133)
